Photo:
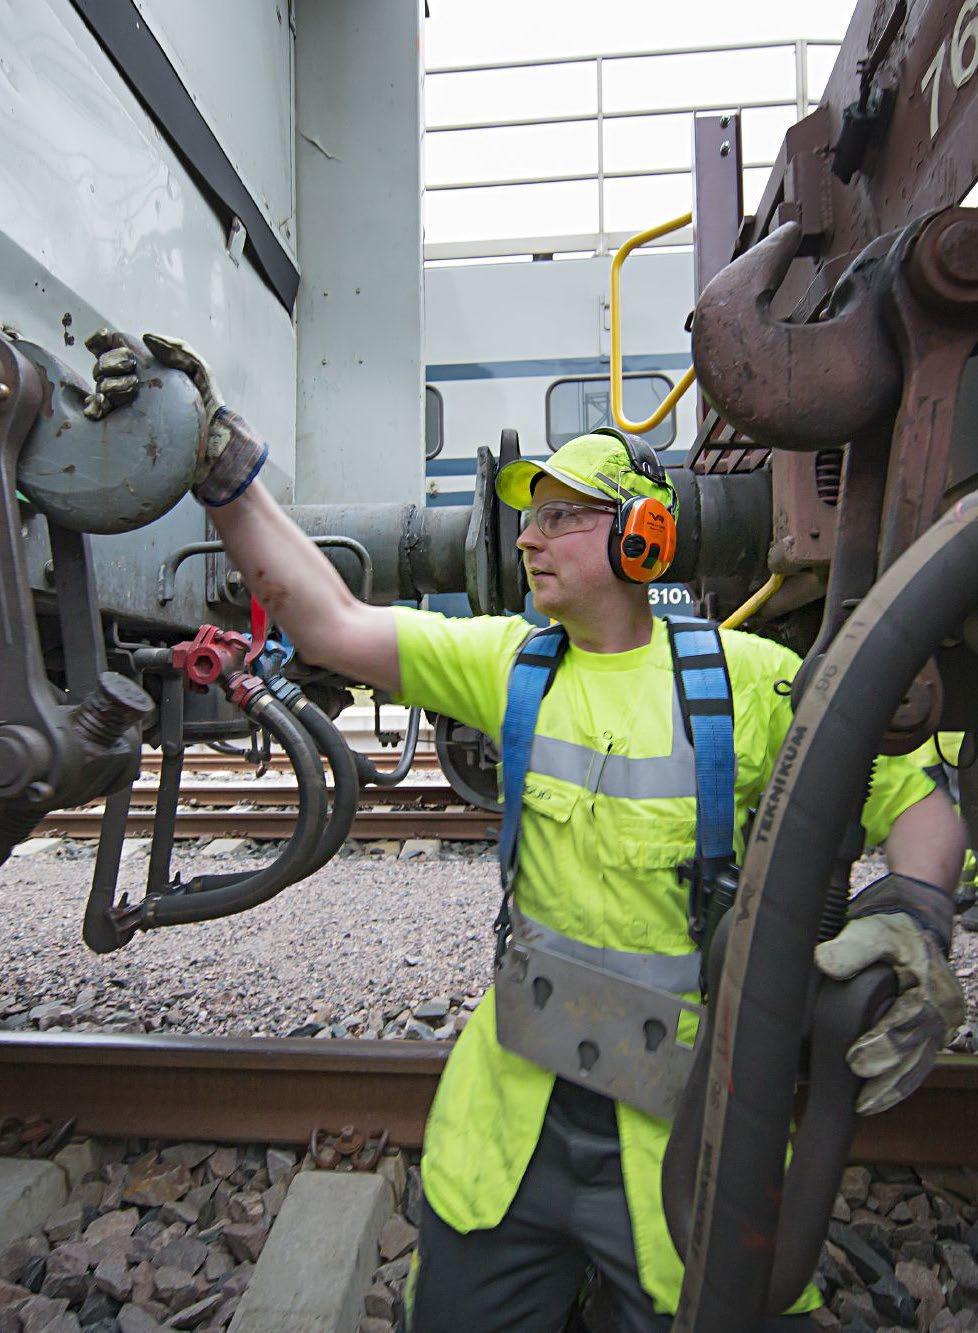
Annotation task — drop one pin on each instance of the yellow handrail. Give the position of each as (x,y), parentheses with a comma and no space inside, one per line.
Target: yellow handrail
(672,398)
(754,603)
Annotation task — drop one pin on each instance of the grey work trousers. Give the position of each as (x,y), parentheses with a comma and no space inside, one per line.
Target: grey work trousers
(525,1274)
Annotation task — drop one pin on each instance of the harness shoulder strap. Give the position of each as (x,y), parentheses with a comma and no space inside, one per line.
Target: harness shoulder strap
(706,699)
(531,676)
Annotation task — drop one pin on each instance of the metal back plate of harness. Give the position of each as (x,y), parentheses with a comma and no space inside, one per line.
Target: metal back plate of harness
(595,1016)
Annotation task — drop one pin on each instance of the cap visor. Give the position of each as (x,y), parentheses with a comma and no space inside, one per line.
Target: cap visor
(514,482)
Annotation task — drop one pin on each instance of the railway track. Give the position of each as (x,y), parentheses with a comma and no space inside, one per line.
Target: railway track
(466,825)
(210,761)
(278,1090)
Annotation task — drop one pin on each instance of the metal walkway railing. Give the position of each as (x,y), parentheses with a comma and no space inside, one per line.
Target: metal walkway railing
(600,99)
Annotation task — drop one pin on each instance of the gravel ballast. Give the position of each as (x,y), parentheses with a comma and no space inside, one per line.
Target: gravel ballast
(351,947)
(372,945)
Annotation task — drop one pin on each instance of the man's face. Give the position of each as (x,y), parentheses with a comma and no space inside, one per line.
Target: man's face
(571,572)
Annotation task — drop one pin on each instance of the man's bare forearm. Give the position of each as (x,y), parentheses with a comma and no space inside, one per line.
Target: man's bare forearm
(928,842)
(303,593)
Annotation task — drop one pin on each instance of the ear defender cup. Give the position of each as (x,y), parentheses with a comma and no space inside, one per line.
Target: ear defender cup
(642,540)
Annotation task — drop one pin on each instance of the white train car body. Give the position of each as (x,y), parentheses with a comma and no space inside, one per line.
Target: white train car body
(526,345)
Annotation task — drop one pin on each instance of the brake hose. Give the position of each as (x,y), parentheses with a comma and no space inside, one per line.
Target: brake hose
(922,599)
(346,786)
(196,900)
(370,775)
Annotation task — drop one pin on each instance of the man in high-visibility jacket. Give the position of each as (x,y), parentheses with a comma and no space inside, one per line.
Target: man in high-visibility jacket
(530,1179)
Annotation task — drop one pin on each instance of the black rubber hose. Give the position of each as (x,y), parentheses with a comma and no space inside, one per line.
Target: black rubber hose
(371,776)
(922,599)
(841,1012)
(194,902)
(346,795)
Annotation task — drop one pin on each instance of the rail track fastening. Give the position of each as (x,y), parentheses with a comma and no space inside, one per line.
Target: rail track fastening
(278,1090)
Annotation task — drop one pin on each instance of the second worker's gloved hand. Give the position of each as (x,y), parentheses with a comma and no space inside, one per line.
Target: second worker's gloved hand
(907,923)
(232,455)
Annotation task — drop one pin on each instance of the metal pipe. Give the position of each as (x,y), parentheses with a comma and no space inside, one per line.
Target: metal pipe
(724,528)
(415,551)
(166,578)
(771,44)
(379,777)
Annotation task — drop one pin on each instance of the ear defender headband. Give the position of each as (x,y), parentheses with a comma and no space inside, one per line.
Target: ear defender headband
(642,539)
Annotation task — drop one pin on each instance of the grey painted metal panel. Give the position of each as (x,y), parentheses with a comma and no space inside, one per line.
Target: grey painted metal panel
(235,59)
(360,409)
(100,224)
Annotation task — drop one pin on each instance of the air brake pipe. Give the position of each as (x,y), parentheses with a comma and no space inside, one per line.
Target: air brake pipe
(836,733)
(371,775)
(193,902)
(346,787)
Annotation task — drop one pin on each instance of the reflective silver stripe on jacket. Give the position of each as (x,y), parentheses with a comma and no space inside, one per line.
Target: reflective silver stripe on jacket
(658,778)
(676,973)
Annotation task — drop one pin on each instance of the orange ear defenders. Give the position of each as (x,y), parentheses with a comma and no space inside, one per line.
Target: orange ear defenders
(642,540)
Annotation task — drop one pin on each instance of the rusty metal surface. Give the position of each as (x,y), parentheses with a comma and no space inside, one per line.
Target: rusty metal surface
(928,156)
(803,524)
(278,1090)
(932,309)
(794,386)
(267,1090)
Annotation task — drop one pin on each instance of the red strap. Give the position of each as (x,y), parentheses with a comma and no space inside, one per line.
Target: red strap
(259,631)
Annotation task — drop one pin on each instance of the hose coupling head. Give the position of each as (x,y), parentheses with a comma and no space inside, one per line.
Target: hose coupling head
(212,655)
(244,691)
(285,691)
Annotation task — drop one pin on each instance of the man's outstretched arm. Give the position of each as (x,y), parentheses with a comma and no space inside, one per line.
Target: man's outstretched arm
(302,592)
(292,579)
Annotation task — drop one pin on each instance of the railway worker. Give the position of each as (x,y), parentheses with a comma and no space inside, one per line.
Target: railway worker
(530,1178)
(940,758)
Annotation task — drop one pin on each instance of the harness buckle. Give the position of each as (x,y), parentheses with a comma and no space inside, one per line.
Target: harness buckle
(698,901)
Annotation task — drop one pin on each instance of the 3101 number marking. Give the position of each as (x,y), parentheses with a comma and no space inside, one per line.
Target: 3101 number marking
(965,35)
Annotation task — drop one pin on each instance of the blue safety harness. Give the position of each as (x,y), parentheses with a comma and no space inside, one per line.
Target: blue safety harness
(706,700)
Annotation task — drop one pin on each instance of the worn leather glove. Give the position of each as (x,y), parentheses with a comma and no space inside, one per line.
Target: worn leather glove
(115,373)
(907,923)
(232,456)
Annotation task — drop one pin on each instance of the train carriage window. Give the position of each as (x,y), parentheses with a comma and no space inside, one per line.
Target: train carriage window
(577,406)
(434,422)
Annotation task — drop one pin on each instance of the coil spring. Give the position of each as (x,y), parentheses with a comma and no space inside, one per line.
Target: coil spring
(828,475)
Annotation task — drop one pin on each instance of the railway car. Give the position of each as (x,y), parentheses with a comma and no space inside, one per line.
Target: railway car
(256,188)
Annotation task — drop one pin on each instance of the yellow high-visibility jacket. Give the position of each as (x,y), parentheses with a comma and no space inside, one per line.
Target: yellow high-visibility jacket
(596,865)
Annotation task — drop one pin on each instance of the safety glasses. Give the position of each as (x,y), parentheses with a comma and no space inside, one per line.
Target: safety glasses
(557,518)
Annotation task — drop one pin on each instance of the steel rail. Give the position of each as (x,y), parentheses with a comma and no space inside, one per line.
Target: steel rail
(278,1090)
(459,825)
(261,1090)
(214,794)
(220,763)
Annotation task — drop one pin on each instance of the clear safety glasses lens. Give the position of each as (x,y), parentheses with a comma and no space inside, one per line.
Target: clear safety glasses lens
(557,518)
